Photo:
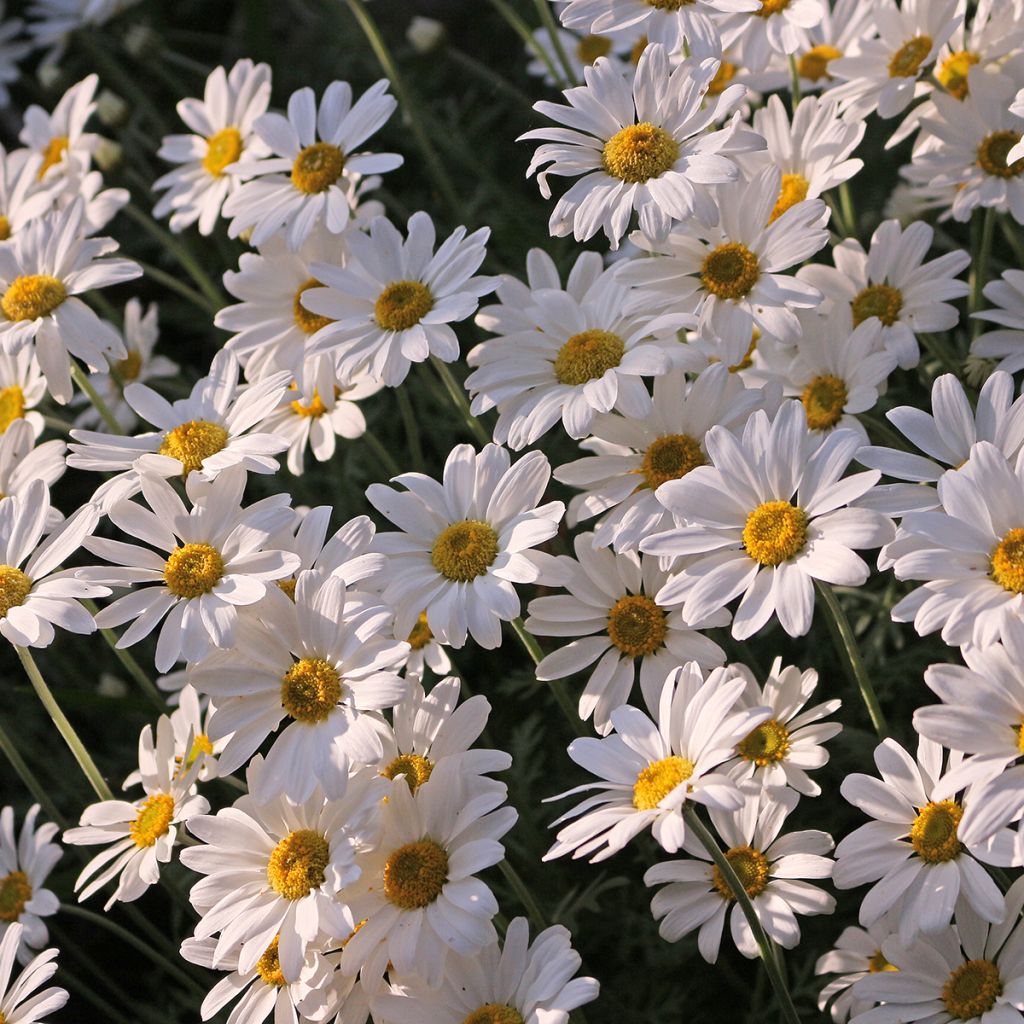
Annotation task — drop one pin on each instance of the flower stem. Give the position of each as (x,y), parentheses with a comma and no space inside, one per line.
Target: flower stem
(391,467)
(523,31)
(849,214)
(85,385)
(764,944)
(557,686)
(131,666)
(85,762)
(412,431)
(461,403)
(32,784)
(548,21)
(182,289)
(846,644)
(794,81)
(522,890)
(980,259)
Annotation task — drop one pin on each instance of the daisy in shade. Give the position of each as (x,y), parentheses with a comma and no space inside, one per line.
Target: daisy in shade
(222,126)
(324,670)
(778,753)
(22,461)
(19,1001)
(775,27)
(612,596)
(418,893)
(59,137)
(581,50)
(857,954)
(425,651)
(913,850)
(508,983)
(394,301)
(633,457)
(465,542)
(733,273)
(209,561)
(22,388)
(640,145)
(35,595)
(770,866)
(769,515)
(23,198)
(1006,342)
(309,177)
(648,769)
(42,272)
(26,859)
(138,836)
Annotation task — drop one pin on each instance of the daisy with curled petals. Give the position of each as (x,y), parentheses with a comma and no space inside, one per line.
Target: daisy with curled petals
(22,461)
(612,596)
(1006,342)
(138,836)
(22,388)
(775,27)
(649,769)
(733,273)
(465,541)
(913,851)
(276,869)
(308,178)
(222,126)
(42,272)
(59,137)
(633,457)
(770,866)
(209,561)
(393,302)
(515,982)
(34,595)
(19,1001)
(769,515)
(26,859)
(326,671)
(418,894)
(640,145)
(857,954)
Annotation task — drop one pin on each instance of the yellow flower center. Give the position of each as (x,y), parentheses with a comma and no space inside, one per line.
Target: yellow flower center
(192,442)
(1020,737)
(268,967)
(153,820)
(53,153)
(496,1013)
(636,625)
(993,151)
(287,587)
(751,867)
(952,73)
(881,300)
(200,745)
(5,228)
(307,322)
(770,7)
(730,271)
(193,569)
(297,863)
(824,398)
(414,874)
(12,405)
(775,531)
(907,60)
(765,745)
(813,65)
(877,963)
(640,152)
(1008,562)
(658,779)
(130,367)
(972,989)
(402,305)
(15,586)
(15,892)
(222,148)
(317,168)
(32,296)
(589,48)
(723,76)
(670,458)
(310,690)
(421,634)
(414,768)
(588,356)
(794,190)
(314,410)
(464,550)
(933,834)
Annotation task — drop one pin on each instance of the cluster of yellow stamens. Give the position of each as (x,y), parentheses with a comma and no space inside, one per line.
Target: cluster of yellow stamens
(877,963)
(589,48)
(658,779)
(268,967)
(751,867)
(824,399)
(464,550)
(636,625)
(12,405)
(775,531)
(639,152)
(310,690)
(993,151)
(32,296)
(317,168)
(730,271)
(402,305)
(129,368)
(192,442)
(53,154)
(1007,562)
(793,190)
(153,820)
(670,458)
(770,7)
(414,874)
(297,864)
(193,570)
(933,834)
(588,356)
(307,322)
(972,989)
(15,892)
(15,587)
(414,768)
(420,635)
(813,65)
(907,60)
(881,300)
(952,73)
(765,745)
(313,410)
(495,1013)
(222,148)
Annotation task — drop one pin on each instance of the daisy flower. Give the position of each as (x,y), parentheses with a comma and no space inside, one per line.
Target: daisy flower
(138,836)
(393,302)
(580,49)
(26,859)
(612,596)
(769,515)
(55,20)
(308,178)
(222,127)
(209,561)
(733,273)
(913,850)
(1006,343)
(649,768)
(771,868)
(775,27)
(893,282)
(425,651)
(22,461)
(465,542)
(23,197)
(19,1001)
(633,457)
(857,954)
(60,137)
(640,145)
(513,981)
(42,272)
(22,388)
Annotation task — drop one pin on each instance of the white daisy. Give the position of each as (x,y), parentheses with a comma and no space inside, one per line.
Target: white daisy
(19,1001)
(580,49)
(425,651)
(775,27)
(1006,343)
(26,859)
(22,461)
(60,137)
(23,197)
(55,20)
(22,388)
(857,954)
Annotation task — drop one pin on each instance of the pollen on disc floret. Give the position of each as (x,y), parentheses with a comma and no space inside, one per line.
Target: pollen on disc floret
(193,570)
(464,550)
(415,874)
(193,442)
(588,356)
(32,296)
(297,864)
(657,780)
(636,625)
(15,587)
(774,532)
(153,820)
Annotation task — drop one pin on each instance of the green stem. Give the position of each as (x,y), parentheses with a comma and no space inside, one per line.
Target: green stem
(85,385)
(764,944)
(522,890)
(557,686)
(849,214)
(523,31)
(131,666)
(846,644)
(154,273)
(548,21)
(32,784)
(392,467)
(794,81)
(937,348)
(55,423)
(412,430)
(64,727)
(484,73)
(458,397)
(980,259)
(1010,231)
